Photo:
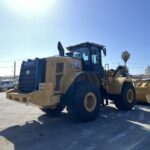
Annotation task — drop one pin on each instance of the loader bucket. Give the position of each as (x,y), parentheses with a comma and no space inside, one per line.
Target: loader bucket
(143,91)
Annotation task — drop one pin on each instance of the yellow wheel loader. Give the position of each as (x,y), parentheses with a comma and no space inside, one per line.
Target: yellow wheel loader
(76,80)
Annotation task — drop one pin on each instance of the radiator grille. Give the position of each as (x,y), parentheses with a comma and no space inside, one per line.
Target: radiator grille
(32,73)
(59,67)
(58,82)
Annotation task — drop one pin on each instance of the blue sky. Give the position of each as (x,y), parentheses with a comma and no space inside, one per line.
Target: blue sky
(32,28)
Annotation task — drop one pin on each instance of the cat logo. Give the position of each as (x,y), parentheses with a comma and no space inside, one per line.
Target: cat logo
(27,72)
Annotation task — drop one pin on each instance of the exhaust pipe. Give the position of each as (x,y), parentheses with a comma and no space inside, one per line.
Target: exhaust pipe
(60,49)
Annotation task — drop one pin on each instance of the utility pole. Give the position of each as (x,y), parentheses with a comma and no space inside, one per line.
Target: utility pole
(14,70)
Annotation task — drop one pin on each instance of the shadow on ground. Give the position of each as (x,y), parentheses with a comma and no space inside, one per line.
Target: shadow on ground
(112,129)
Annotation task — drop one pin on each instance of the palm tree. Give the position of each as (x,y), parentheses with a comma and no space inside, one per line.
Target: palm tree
(125,56)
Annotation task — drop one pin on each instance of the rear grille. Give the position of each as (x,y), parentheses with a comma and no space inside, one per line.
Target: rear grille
(32,73)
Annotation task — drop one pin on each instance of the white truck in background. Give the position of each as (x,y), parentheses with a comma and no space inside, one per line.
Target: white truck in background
(6,84)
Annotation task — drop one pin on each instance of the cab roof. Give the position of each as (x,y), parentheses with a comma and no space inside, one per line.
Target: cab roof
(86,44)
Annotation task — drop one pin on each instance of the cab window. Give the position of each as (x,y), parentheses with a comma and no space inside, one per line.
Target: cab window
(85,56)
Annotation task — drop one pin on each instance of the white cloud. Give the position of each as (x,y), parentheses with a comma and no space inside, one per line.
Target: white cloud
(30,8)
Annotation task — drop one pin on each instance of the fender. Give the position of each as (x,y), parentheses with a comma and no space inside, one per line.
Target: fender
(116,84)
(79,76)
(68,80)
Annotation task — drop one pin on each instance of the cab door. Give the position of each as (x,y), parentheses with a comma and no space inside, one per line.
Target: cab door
(96,61)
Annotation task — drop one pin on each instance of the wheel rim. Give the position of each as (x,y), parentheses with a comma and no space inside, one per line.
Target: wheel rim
(130,96)
(90,101)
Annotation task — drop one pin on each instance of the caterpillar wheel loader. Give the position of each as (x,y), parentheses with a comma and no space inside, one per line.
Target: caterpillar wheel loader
(76,80)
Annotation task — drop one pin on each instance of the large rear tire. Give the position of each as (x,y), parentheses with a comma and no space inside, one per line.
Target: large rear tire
(53,112)
(84,104)
(127,98)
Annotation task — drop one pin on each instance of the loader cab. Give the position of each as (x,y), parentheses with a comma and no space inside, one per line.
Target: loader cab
(91,56)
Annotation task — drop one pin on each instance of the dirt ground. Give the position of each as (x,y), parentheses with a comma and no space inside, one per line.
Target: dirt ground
(28,128)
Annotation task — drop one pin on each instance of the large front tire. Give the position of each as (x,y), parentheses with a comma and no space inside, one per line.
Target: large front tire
(84,104)
(127,98)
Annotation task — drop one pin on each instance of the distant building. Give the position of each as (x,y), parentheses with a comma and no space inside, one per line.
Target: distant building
(147,70)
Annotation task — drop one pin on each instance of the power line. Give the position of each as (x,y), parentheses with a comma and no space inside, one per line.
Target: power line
(7,67)
(12,60)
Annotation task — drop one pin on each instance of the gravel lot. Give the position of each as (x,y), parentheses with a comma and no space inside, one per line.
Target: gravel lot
(28,128)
